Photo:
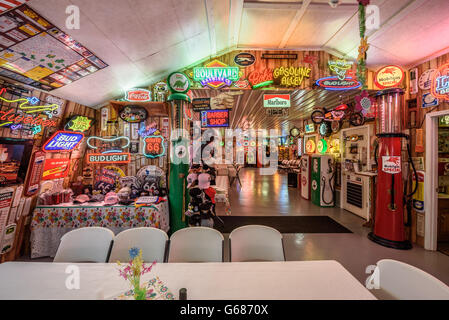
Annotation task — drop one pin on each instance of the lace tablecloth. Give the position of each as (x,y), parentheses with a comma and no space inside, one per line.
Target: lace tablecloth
(50,223)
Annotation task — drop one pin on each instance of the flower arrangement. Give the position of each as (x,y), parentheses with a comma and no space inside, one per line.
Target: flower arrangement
(133,270)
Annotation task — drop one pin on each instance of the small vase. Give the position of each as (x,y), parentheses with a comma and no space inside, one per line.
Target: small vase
(140,293)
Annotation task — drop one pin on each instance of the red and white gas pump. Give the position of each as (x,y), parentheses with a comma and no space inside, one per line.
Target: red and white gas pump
(389,220)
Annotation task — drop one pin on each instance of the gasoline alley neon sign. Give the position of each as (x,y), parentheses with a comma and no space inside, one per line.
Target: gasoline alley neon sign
(291,76)
(216,74)
(63,141)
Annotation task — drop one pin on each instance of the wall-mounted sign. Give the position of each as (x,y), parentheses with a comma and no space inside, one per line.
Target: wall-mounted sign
(79,123)
(428,100)
(216,74)
(215,118)
(63,141)
(259,79)
(276,100)
(178,82)
(389,77)
(310,146)
(109,145)
(333,83)
(443,121)
(340,67)
(295,132)
(277,112)
(138,95)
(289,56)
(160,91)
(241,84)
(133,114)
(10,118)
(99,158)
(244,59)
(425,80)
(200,104)
(29,105)
(35,173)
(56,168)
(153,146)
(310,128)
(440,83)
(291,76)
(321,146)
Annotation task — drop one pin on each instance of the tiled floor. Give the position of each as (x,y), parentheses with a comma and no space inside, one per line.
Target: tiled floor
(270,196)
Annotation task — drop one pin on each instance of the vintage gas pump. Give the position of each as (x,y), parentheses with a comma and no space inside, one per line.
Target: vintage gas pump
(180,103)
(389,220)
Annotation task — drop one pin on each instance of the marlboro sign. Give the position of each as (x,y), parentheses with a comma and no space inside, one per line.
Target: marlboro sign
(138,95)
(276,100)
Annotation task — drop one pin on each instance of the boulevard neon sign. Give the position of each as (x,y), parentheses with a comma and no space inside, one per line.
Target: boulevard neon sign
(216,74)
(63,141)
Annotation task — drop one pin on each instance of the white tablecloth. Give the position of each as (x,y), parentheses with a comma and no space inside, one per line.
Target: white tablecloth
(50,223)
(296,280)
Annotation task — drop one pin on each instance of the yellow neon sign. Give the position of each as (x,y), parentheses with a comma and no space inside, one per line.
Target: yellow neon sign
(29,109)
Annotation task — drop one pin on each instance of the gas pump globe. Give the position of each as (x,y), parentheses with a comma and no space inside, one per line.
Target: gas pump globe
(389,220)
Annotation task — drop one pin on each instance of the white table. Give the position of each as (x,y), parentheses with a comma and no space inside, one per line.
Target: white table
(296,280)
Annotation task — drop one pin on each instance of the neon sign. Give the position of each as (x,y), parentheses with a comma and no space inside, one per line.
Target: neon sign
(440,83)
(30,109)
(333,83)
(215,118)
(216,74)
(259,79)
(133,114)
(310,146)
(118,157)
(291,76)
(63,141)
(388,77)
(153,146)
(322,146)
(108,140)
(340,67)
(138,95)
(79,123)
(12,118)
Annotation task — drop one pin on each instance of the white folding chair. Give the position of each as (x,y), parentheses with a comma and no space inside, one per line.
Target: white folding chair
(152,242)
(196,244)
(91,244)
(256,243)
(402,281)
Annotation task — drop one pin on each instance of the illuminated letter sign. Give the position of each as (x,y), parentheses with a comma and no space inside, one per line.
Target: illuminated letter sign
(133,114)
(440,83)
(153,146)
(389,76)
(333,83)
(138,95)
(291,76)
(216,74)
(340,67)
(215,118)
(79,123)
(276,100)
(63,141)
(259,79)
(98,158)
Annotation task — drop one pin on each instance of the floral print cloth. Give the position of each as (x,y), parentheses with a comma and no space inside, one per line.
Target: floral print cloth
(50,223)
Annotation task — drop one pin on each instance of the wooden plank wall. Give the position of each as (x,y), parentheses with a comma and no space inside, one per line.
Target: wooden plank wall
(116,128)
(68,109)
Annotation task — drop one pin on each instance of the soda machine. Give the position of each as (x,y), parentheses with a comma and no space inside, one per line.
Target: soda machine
(323,181)
(391,197)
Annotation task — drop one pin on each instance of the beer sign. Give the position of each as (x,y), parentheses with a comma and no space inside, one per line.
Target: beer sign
(63,141)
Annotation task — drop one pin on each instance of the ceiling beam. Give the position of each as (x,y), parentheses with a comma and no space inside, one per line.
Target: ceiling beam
(235,19)
(209,5)
(294,23)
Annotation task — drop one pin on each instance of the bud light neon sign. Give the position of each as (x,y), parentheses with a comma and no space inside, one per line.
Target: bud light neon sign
(63,141)
(334,83)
